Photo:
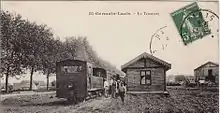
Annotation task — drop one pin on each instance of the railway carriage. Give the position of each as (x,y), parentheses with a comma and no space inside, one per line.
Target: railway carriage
(100,73)
(77,80)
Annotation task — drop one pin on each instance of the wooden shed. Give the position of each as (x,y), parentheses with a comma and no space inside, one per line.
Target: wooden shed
(146,73)
(207,72)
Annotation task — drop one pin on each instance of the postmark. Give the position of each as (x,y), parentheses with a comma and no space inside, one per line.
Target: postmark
(211,22)
(159,40)
(190,23)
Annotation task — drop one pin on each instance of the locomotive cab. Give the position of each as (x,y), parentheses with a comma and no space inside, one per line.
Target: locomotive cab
(76,80)
(71,78)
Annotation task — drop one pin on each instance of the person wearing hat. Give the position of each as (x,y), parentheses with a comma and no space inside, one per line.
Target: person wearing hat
(110,86)
(117,88)
(113,88)
(122,91)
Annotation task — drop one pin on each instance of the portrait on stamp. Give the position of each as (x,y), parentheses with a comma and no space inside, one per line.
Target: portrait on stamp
(190,23)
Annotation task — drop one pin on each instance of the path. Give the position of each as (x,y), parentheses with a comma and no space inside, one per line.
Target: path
(4,96)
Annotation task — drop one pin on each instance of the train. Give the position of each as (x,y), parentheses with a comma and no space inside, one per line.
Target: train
(77,80)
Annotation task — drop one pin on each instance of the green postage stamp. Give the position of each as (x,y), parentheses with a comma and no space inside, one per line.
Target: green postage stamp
(190,23)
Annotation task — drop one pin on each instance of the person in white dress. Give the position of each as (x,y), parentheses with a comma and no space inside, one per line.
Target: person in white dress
(106,87)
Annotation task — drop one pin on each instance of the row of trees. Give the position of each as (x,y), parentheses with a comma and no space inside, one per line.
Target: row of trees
(27,45)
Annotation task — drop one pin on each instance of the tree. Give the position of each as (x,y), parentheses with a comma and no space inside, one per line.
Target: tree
(27,45)
(50,57)
(36,38)
(90,53)
(180,78)
(70,45)
(11,55)
(24,44)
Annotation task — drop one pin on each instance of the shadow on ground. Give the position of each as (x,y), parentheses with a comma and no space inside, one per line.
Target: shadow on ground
(54,103)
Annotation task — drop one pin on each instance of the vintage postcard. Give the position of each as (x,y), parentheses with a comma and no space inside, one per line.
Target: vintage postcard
(109,56)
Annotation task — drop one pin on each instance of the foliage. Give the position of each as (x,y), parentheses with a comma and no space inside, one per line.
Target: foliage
(11,54)
(172,84)
(80,47)
(10,42)
(23,45)
(180,78)
(27,45)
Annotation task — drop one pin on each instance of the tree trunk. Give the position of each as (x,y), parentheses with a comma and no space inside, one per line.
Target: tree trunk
(48,80)
(31,77)
(7,74)
(6,79)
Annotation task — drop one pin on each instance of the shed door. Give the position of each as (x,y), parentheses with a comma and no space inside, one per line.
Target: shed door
(209,72)
(210,76)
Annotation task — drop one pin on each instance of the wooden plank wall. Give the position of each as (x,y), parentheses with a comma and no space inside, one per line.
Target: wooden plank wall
(97,82)
(157,78)
(201,73)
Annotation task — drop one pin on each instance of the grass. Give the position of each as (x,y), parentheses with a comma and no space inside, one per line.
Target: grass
(179,101)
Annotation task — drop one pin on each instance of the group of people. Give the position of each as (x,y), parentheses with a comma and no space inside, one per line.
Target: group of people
(115,88)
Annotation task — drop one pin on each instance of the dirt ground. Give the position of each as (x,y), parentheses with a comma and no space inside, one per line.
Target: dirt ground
(179,101)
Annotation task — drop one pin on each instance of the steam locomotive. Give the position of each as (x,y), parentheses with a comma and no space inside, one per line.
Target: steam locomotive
(77,80)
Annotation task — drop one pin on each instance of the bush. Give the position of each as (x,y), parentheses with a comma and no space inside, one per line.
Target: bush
(190,84)
(173,84)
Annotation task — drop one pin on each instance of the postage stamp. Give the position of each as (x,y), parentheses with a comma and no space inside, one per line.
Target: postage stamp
(190,23)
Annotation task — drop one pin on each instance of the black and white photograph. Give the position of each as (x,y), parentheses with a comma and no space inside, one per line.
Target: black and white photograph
(157,56)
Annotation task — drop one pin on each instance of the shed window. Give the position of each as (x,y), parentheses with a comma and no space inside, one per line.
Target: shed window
(145,77)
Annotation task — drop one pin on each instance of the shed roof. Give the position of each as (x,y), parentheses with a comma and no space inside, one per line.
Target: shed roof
(209,62)
(146,55)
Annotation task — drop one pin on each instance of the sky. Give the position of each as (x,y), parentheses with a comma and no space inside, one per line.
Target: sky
(118,39)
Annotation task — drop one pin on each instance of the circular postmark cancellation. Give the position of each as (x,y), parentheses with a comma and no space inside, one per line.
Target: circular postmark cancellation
(159,40)
(198,24)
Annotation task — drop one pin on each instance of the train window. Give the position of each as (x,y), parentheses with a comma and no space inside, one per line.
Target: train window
(65,70)
(99,74)
(71,69)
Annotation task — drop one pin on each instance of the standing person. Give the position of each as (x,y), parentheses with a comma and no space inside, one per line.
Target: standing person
(106,87)
(110,86)
(122,91)
(113,88)
(117,88)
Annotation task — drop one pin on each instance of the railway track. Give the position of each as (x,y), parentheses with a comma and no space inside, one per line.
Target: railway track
(66,107)
(41,103)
